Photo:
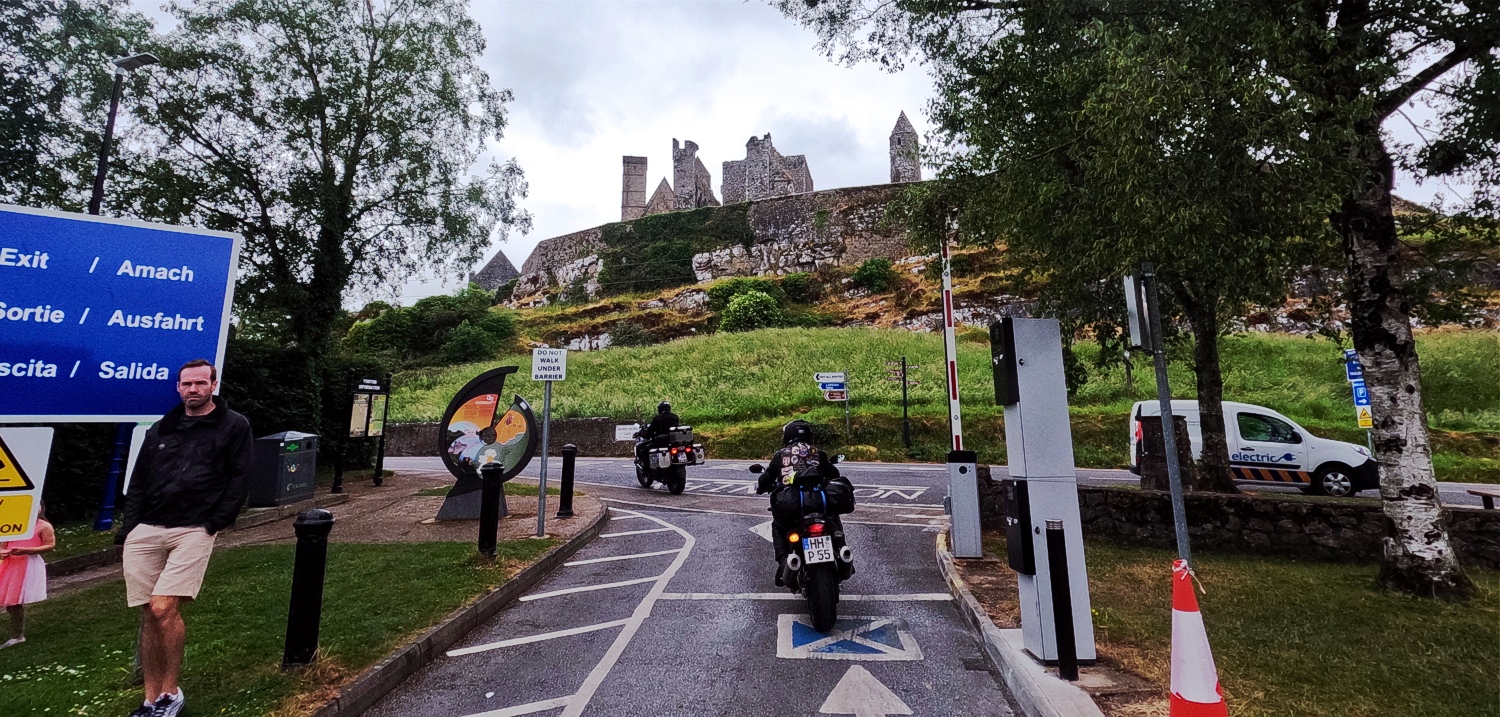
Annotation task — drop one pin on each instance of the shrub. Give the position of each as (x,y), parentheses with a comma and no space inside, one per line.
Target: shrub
(630,333)
(415,333)
(750,311)
(800,288)
(469,342)
(720,294)
(877,275)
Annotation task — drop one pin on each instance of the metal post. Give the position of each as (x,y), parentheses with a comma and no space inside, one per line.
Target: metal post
(565,502)
(380,460)
(306,611)
(1062,602)
(541,484)
(106,518)
(97,198)
(848,434)
(490,490)
(1169,427)
(338,471)
(905,418)
(950,353)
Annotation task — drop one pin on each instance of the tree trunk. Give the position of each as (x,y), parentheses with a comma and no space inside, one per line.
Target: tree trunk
(1418,557)
(1213,473)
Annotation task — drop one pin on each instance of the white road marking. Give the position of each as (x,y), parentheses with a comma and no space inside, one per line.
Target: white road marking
(635,532)
(661,506)
(861,695)
(580,700)
(588,588)
(763,530)
(626,517)
(749,496)
(534,638)
(933,519)
(613,558)
(855,629)
(908,597)
(526,709)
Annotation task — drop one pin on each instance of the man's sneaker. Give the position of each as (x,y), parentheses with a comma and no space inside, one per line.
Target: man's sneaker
(145,710)
(168,705)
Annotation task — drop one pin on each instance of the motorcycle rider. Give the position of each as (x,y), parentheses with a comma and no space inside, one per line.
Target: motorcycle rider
(799,458)
(661,424)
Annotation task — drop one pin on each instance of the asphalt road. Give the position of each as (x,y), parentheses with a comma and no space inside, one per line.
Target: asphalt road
(673,611)
(911,484)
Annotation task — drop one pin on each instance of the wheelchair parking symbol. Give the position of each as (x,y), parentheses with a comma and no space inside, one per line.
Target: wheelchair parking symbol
(852,638)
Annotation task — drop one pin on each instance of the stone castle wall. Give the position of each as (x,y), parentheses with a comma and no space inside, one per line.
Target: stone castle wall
(793,233)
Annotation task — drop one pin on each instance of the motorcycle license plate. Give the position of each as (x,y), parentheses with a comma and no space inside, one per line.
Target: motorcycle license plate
(817,550)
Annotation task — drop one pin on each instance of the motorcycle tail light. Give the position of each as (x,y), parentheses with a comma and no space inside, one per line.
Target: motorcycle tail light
(674,451)
(815,529)
(793,537)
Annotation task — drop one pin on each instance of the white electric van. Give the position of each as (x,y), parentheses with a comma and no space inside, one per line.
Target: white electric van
(1266,447)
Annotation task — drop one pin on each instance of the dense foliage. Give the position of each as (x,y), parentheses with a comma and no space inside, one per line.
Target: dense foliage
(877,275)
(450,329)
(656,252)
(750,311)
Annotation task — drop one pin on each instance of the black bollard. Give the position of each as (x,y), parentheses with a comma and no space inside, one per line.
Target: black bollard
(1062,602)
(338,471)
(306,612)
(490,490)
(565,505)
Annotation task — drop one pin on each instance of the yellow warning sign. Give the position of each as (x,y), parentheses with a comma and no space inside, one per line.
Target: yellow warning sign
(15,515)
(12,475)
(1365,420)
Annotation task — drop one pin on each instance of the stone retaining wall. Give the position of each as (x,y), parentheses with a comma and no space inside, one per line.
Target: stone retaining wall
(593,436)
(1269,524)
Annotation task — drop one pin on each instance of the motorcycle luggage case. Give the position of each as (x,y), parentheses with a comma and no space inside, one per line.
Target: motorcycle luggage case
(831,499)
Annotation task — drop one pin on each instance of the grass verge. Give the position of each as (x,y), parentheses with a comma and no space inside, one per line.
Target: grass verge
(376,597)
(79,539)
(1293,637)
(738,389)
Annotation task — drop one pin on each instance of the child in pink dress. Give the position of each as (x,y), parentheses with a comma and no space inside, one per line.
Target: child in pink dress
(23,576)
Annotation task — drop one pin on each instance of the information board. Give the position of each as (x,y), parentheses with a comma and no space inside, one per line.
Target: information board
(97,314)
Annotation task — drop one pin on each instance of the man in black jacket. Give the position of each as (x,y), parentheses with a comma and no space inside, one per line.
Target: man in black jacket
(797,460)
(188,484)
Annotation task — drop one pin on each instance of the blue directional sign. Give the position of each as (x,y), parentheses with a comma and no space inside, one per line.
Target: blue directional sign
(832,386)
(1354,371)
(1361,394)
(97,314)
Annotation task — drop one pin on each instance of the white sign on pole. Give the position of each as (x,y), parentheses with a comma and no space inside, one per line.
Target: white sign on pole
(549,364)
(626,431)
(23,468)
(832,377)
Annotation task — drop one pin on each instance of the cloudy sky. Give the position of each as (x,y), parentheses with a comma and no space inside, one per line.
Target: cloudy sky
(595,81)
(598,79)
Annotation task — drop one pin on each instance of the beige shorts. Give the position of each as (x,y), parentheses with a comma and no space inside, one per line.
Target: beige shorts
(165,561)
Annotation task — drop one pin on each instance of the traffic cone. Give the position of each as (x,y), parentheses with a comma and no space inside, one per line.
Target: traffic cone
(1195,680)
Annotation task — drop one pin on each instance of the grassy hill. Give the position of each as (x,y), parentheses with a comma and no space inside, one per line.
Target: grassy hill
(738,389)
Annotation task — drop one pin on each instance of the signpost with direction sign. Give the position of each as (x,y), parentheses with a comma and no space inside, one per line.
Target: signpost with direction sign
(901,373)
(547,365)
(835,387)
(1354,372)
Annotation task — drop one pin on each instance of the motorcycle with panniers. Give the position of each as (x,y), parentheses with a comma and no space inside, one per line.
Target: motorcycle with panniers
(806,509)
(667,461)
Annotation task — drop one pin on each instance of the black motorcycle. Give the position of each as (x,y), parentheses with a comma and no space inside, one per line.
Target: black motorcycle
(818,558)
(667,461)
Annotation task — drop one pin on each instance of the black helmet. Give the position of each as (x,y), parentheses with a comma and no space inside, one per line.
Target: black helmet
(797,430)
(664,407)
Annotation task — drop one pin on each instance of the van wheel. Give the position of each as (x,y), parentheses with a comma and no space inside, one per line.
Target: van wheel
(1335,479)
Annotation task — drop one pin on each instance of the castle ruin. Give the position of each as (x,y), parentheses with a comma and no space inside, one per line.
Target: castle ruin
(796,227)
(765,173)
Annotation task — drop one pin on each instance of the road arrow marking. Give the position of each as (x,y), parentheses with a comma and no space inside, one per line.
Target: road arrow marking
(861,695)
(763,530)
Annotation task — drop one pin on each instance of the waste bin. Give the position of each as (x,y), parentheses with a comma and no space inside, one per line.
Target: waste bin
(283,469)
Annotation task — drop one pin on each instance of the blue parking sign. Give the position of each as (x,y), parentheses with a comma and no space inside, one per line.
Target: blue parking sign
(97,314)
(1361,394)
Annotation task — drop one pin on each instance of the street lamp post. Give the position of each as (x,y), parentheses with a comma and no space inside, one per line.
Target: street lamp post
(122,66)
(106,517)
